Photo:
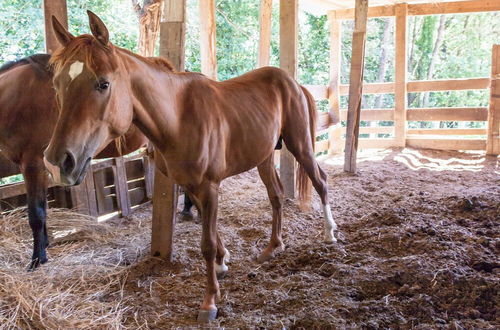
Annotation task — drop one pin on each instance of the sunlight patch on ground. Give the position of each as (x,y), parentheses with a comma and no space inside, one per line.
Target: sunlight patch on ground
(415,160)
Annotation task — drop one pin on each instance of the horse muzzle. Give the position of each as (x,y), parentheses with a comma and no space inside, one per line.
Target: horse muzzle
(66,171)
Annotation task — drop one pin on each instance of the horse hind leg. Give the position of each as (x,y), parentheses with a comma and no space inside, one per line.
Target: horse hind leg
(35,178)
(274,188)
(304,154)
(221,258)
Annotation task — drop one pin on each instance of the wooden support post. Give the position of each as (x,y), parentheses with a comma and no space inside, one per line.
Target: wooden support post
(288,62)
(121,187)
(356,85)
(493,142)
(165,192)
(400,93)
(265,14)
(57,8)
(207,39)
(335,131)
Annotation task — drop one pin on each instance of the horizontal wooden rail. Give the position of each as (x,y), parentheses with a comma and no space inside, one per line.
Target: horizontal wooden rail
(457,7)
(446,131)
(319,92)
(371,114)
(320,146)
(373,130)
(447,114)
(446,144)
(376,143)
(448,85)
(371,88)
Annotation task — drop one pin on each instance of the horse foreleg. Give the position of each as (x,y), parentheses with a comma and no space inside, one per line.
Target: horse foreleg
(35,179)
(207,195)
(274,188)
(188,205)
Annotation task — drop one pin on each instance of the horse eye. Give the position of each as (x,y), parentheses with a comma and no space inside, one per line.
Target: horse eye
(102,85)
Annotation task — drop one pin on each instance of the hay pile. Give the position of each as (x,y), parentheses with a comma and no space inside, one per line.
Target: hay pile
(418,247)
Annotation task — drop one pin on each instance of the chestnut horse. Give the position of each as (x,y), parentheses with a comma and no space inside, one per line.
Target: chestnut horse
(205,130)
(28,116)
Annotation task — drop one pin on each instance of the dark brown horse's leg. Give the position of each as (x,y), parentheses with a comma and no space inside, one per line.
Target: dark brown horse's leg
(274,188)
(35,179)
(207,196)
(188,205)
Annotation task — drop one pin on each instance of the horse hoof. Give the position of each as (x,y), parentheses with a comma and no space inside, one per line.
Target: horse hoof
(221,275)
(35,263)
(187,215)
(206,316)
(264,257)
(330,238)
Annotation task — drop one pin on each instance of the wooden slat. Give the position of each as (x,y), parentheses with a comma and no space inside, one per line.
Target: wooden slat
(373,130)
(372,88)
(447,131)
(376,143)
(265,14)
(320,92)
(122,187)
(322,121)
(446,144)
(135,169)
(207,38)
(400,93)
(138,196)
(426,9)
(149,175)
(447,114)
(493,144)
(288,62)
(356,84)
(379,11)
(102,164)
(448,85)
(371,115)
(320,146)
(457,7)
(336,145)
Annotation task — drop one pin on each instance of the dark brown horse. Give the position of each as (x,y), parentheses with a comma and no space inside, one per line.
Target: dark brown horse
(28,115)
(205,130)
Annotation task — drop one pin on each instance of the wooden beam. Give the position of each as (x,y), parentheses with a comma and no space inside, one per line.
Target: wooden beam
(164,189)
(376,143)
(207,39)
(400,93)
(447,131)
(371,114)
(458,7)
(447,85)
(57,8)
(288,62)
(379,11)
(265,15)
(373,130)
(356,84)
(83,197)
(446,144)
(493,143)
(447,114)
(336,143)
(319,92)
(373,88)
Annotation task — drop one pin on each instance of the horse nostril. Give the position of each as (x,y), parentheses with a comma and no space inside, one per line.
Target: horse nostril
(68,163)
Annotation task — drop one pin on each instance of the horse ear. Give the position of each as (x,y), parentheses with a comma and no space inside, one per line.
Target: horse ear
(62,34)
(98,28)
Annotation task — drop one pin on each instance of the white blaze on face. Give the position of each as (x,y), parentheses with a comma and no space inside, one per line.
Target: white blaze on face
(330,225)
(75,69)
(55,171)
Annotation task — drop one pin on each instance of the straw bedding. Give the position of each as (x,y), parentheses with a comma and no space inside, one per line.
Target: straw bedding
(418,247)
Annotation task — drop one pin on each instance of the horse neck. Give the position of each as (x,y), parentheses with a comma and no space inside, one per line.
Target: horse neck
(155,98)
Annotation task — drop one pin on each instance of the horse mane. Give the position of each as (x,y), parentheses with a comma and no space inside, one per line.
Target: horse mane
(89,46)
(40,62)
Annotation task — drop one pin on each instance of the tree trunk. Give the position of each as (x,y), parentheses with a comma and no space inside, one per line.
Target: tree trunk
(383,59)
(432,62)
(149,15)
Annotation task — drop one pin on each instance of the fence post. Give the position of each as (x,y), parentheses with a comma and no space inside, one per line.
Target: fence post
(493,141)
(400,93)
(83,196)
(335,131)
(121,186)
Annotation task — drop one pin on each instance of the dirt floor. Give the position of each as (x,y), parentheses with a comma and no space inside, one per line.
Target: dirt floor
(418,248)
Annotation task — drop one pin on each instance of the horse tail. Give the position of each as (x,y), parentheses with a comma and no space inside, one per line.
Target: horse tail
(303,182)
